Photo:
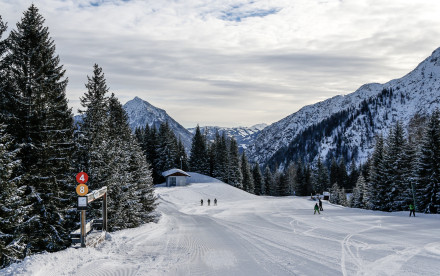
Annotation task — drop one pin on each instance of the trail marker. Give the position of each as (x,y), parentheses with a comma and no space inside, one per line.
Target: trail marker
(82,178)
(82,189)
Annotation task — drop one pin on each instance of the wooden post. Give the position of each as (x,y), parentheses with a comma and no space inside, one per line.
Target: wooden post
(104,212)
(83,228)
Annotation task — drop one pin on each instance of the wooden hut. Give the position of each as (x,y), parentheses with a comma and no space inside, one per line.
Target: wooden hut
(175,177)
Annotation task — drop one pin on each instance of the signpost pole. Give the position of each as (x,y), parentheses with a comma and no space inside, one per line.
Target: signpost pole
(83,228)
(104,212)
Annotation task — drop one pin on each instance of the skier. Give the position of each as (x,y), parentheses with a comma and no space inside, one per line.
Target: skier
(320,205)
(316,209)
(412,210)
(209,202)
(201,202)
(215,201)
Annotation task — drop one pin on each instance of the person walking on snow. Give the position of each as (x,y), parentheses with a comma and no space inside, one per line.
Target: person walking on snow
(320,205)
(215,202)
(412,210)
(201,202)
(316,209)
(209,202)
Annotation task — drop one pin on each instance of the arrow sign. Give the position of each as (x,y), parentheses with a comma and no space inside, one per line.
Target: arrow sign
(82,177)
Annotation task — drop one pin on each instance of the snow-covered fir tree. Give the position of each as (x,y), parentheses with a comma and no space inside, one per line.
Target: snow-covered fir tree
(10,215)
(300,180)
(131,198)
(235,176)
(248,181)
(320,179)
(220,158)
(93,143)
(283,184)
(376,188)
(335,193)
(357,198)
(198,161)
(166,152)
(258,180)
(343,197)
(181,155)
(291,177)
(393,169)
(269,182)
(428,167)
(41,122)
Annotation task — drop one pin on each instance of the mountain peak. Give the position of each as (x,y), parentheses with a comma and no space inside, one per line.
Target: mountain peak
(141,113)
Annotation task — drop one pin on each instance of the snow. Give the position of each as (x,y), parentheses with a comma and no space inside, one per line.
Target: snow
(173,171)
(250,235)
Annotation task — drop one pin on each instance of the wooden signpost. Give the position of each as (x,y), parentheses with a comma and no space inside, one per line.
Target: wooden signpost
(84,198)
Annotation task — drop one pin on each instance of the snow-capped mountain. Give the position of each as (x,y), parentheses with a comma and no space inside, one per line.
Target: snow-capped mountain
(346,125)
(243,135)
(141,112)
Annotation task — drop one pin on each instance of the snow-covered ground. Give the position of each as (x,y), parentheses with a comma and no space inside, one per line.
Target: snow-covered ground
(250,235)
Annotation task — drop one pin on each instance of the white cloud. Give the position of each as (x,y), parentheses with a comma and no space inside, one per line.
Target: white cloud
(229,62)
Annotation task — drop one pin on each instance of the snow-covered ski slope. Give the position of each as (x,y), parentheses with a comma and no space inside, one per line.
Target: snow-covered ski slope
(250,235)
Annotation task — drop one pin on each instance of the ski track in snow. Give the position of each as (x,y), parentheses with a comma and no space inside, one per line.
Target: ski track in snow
(249,235)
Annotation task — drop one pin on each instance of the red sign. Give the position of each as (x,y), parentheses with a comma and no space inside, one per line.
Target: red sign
(82,177)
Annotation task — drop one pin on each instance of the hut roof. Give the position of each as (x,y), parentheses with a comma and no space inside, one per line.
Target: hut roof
(175,172)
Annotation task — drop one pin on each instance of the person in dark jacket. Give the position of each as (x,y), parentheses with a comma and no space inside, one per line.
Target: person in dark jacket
(201,202)
(209,202)
(412,210)
(316,209)
(215,202)
(320,205)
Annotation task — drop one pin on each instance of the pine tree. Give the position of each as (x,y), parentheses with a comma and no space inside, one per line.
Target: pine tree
(10,215)
(428,167)
(258,180)
(199,161)
(291,176)
(220,156)
(151,141)
(334,170)
(300,180)
(235,176)
(308,180)
(393,169)
(320,179)
(269,182)
(181,155)
(131,198)
(342,175)
(283,184)
(375,195)
(166,152)
(42,124)
(141,177)
(357,198)
(343,197)
(409,173)
(353,175)
(335,194)
(248,181)
(93,150)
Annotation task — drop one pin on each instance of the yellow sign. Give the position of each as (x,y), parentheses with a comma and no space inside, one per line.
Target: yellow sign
(82,189)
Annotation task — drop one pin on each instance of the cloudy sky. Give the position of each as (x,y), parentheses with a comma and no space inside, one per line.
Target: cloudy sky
(235,62)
